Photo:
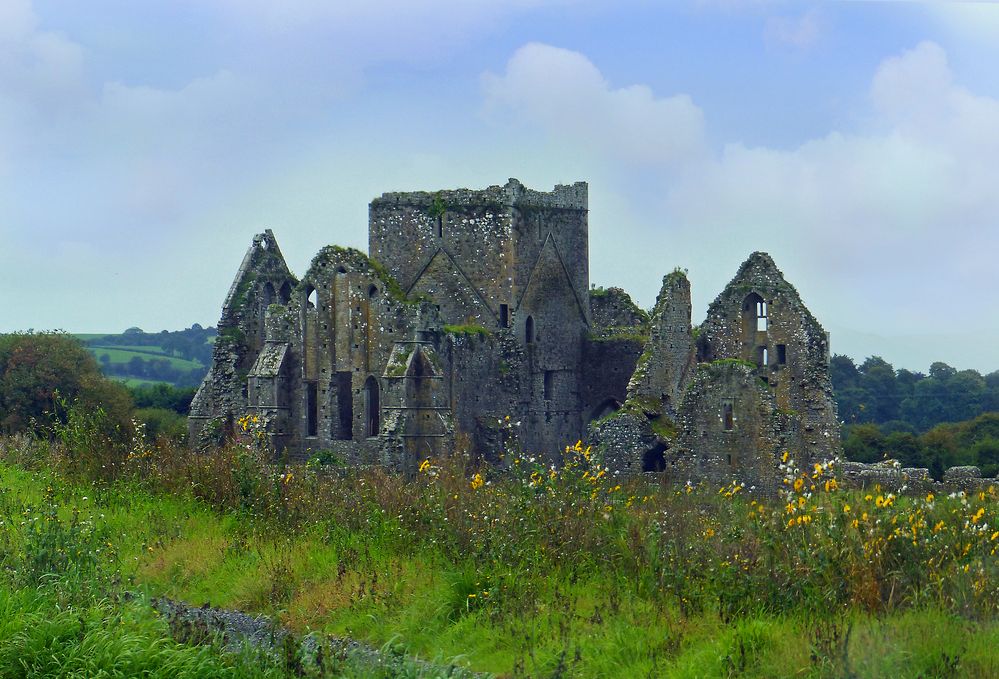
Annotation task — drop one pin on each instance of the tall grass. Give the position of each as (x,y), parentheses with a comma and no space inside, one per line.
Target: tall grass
(537,570)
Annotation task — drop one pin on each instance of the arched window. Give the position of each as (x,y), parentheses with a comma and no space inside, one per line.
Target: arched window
(372,408)
(372,291)
(311,298)
(268,294)
(284,294)
(529,330)
(654,459)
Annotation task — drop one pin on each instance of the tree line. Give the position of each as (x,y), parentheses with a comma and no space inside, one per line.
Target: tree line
(156,369)
(945,418)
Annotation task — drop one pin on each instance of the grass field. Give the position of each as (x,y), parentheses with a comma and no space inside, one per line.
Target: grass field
(138,382)
(538,572)
(123,356)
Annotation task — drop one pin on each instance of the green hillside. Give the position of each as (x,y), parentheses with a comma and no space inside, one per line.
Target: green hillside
(180,358)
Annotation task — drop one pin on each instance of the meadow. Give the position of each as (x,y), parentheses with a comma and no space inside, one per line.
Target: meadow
(535,570)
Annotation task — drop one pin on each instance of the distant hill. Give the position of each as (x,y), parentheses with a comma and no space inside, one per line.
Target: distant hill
(179,357)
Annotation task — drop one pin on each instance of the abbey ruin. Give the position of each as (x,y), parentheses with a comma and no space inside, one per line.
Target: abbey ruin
(471,325)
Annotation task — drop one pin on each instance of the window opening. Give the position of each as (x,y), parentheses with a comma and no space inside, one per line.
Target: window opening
(345,405)
(764,359)
(529,330)
(440,226)
(311,298)
(312,408)
(761,316)
(371,406)
(504,315)
(728,416)
(654,459)
(549,378)
(781,354)
(372,291)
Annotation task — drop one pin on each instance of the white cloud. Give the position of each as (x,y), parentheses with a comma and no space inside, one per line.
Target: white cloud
(801,32)
(976,20)
(888,227)
(41,76)
(892,226)
(563,92)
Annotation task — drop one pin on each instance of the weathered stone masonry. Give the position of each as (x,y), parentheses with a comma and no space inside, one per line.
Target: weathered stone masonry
(476,305)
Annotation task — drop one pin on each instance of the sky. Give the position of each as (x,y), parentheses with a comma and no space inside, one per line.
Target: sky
(142,145)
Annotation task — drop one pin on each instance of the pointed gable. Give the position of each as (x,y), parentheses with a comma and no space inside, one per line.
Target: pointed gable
(443,281)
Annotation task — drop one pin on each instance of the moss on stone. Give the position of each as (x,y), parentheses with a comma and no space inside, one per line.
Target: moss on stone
(438,207)
(467,330)
(332,254)
(727,361)
(676,275)
(620,334)
(663,427)
(242,291)
(233,335)
(398,363)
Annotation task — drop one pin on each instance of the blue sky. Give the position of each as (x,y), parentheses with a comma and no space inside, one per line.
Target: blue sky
(143,144)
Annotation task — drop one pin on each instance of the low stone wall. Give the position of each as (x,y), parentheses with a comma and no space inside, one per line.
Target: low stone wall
(893,477)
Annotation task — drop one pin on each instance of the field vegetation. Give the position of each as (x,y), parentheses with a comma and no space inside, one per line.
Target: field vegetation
(180,358)
(538,569)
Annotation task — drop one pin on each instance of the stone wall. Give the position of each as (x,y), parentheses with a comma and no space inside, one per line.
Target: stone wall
(729,428)
(759,318)
(613,309)
(263,279)
(668,360)
(475,251)
(472,326)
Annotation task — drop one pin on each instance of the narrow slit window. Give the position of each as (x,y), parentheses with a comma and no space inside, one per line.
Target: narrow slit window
(440,226)
(345,405)
(765,360)
(504,319)
(529,330)
(312,409)
(728,416)
(371,406)
(549,379)
(781,354)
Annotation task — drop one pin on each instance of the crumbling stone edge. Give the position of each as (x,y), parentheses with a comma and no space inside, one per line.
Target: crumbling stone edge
(312,654)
